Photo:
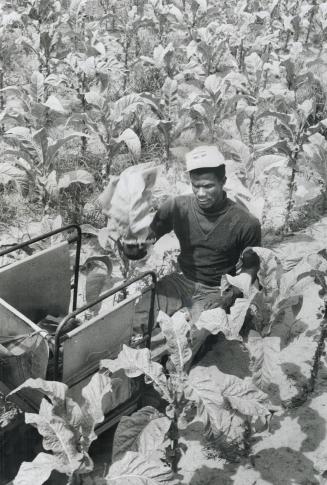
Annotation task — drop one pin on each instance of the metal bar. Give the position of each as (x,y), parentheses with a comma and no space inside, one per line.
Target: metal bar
(77,262)
(102,297)
(151,313)
(77,238)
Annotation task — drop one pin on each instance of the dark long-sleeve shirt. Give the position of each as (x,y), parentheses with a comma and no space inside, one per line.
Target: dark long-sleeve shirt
(210,242)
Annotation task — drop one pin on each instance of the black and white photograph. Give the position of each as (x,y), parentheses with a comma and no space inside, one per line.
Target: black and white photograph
(163,242)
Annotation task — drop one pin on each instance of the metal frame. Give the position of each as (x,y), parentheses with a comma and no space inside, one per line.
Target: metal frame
(77,238)
(60,329)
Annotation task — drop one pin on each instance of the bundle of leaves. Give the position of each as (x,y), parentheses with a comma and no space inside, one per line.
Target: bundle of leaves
(127,201)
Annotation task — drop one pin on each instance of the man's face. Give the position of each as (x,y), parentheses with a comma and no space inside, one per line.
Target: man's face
(207,189)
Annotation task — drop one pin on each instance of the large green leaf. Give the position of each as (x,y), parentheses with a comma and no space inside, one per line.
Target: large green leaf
(315,152)
(176,331)
(264,354)
(242,195)
(243,396)
(135,469)
(136,362)
(10,173)
(94,393)
(217,320)
(263,165)
(253,66)
(37,86)
(269,273)
(79,176)
(54,104)
(53,148)
(170,96)
(55,391)
(40,137)
(125,106)
(203,388)
(213,84)
(132,141)
(58,437)
(95,98)
(23,141)
(39,470)
(51,184)
(161,56)
(143,432)
(149,125)
(106,196)
(75,8)
(236,149)
(212,390)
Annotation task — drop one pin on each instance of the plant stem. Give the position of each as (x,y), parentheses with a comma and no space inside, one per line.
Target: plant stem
(2,99)
(126,52)
(294,158)
(312,14)
(176,456)
(83,138)
(251,126)
(240,57)
(174,453)
(288,35)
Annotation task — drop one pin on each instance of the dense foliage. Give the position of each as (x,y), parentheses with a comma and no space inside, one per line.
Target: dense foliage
(124,82)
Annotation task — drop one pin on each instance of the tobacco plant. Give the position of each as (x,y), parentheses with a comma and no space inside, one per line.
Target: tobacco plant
(222,401)
(66,426)
(34,155)
(170,121)
(276,298)
(31,107)
(111,122)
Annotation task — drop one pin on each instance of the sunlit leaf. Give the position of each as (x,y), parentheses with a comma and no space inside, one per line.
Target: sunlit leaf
(37,86)
(79,176)
(59,438)
(56,391)
(54,104)
(136,362)
(39,470)
(264,354)
(175,330)
(135,469)
(143,432)
(94,393)
(132,141)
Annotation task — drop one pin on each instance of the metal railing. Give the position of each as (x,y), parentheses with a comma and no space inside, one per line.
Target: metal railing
(77,238)
(61,327)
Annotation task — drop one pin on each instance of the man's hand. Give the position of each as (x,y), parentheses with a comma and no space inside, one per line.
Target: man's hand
(134,251)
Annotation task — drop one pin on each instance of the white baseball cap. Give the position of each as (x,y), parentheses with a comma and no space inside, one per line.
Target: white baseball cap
(205,156)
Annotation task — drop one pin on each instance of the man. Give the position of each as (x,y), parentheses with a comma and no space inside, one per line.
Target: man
(212,231)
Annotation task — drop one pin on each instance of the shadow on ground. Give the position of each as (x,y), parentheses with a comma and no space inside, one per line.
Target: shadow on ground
(285,466)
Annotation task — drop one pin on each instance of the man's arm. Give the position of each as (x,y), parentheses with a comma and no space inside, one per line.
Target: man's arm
(250,235)
(162,222)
